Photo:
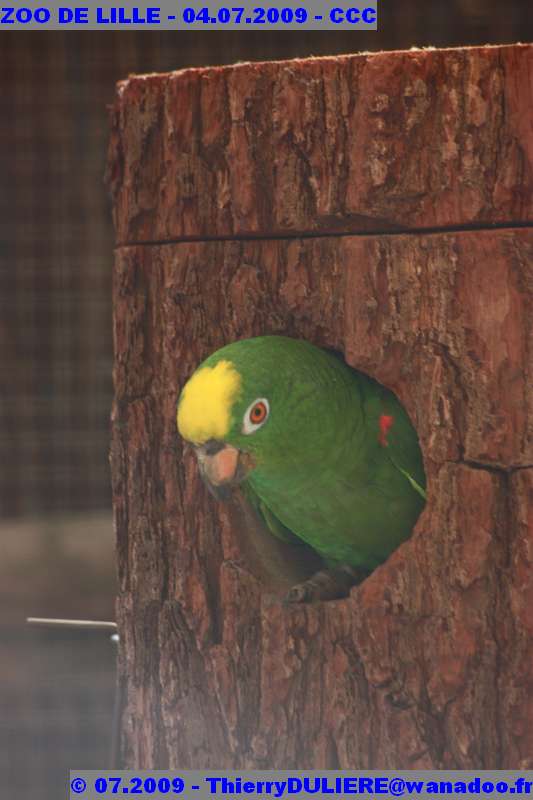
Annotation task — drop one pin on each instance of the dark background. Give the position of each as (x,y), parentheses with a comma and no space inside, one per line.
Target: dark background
(56,260)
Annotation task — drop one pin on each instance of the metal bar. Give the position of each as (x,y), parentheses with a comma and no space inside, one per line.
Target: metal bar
(72,623)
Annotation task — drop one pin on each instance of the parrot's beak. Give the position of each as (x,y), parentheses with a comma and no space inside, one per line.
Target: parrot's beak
(222,466)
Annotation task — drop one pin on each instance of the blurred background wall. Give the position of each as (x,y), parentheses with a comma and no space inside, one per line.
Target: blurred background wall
(56,259)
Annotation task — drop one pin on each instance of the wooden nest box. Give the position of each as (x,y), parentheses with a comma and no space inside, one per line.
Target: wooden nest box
(381,205)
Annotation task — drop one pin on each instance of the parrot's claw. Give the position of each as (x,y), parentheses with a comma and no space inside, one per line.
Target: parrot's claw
(327,584)
(300,593)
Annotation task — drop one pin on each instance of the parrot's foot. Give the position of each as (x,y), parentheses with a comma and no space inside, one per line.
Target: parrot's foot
(327,584)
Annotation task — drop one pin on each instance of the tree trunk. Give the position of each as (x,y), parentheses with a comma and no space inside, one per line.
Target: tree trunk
(428,662)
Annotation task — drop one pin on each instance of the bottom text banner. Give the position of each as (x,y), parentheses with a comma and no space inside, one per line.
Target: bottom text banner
(282,784)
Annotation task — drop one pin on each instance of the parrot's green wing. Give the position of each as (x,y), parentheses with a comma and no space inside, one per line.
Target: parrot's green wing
(274,525)
(396,435)
(404,453)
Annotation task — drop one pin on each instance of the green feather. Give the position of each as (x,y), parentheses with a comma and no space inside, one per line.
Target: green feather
(416,486)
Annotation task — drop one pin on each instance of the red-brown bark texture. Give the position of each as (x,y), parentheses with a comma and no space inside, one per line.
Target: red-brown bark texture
(428,663)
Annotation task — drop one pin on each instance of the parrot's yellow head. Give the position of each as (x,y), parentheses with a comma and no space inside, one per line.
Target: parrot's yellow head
(204,411)
(248,408)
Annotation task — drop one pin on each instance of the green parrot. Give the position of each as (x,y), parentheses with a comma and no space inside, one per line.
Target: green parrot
(325,454)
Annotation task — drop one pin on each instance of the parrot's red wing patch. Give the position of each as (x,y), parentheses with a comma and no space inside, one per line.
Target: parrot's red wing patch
(385,424)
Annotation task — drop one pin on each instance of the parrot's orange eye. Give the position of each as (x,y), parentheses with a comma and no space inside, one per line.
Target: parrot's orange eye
(258,413)
(255,415)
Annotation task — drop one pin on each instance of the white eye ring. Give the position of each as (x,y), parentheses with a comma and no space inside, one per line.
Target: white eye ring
(248,425)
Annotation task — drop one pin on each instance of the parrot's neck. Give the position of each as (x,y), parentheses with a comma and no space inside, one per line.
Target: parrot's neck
(332,438)
(302,468)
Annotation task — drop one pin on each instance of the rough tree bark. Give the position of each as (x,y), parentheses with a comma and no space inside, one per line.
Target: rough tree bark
(428,663)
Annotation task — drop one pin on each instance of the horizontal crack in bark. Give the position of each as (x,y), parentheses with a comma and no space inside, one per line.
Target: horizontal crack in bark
(501,470)
(399,231)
